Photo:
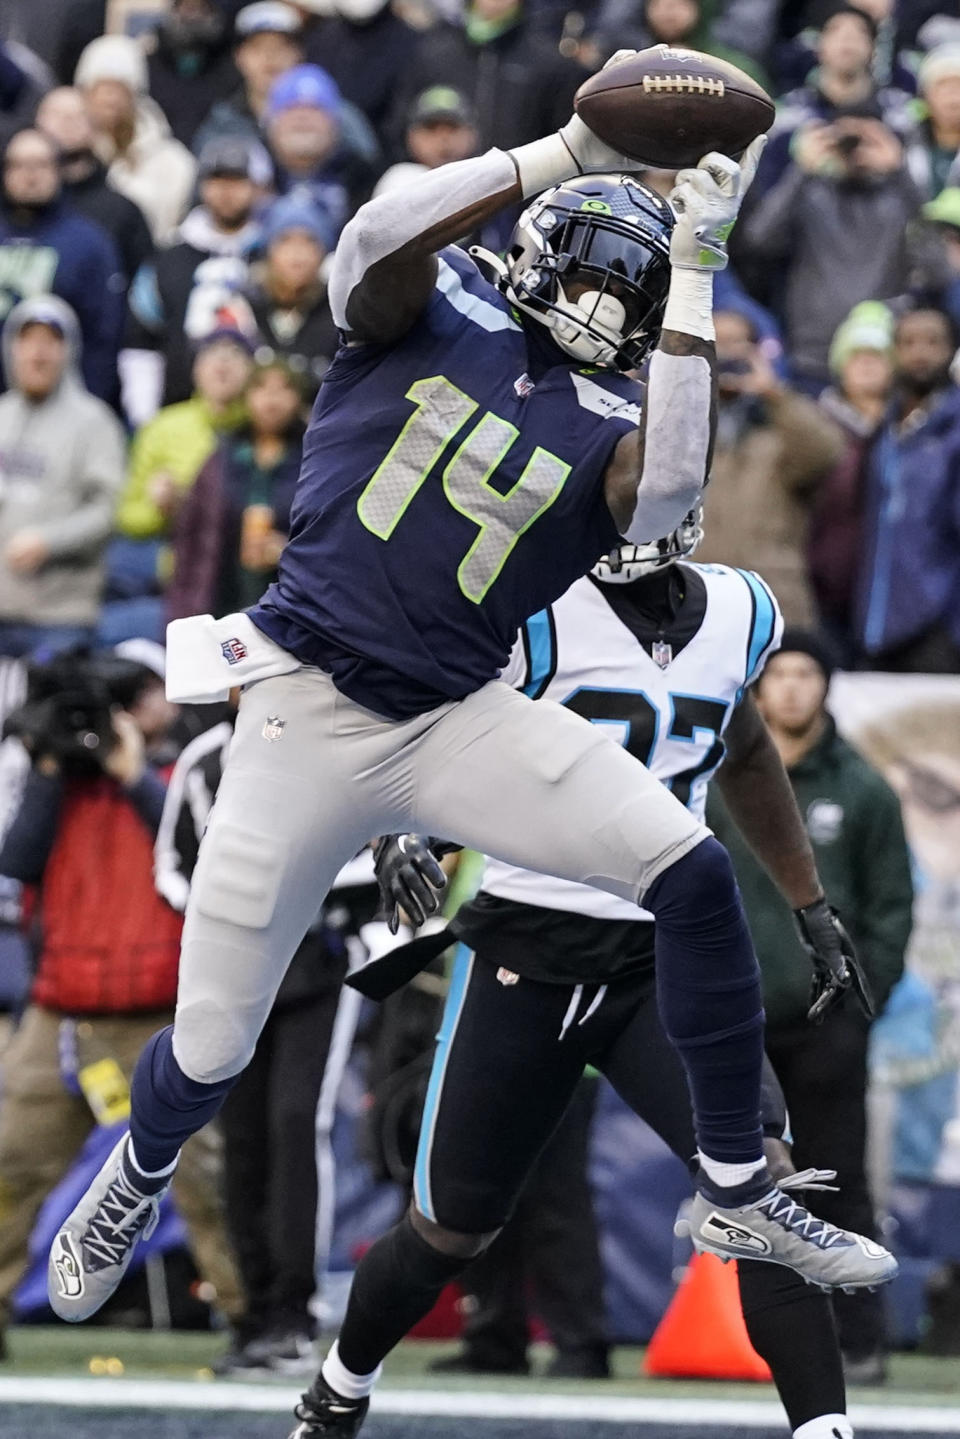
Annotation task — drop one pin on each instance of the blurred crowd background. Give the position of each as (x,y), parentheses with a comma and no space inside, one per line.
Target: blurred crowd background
(175,175)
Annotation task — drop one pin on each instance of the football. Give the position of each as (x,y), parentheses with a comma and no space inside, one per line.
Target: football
(668,107)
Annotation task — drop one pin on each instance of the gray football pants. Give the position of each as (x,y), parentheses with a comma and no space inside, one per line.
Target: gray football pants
(311,777)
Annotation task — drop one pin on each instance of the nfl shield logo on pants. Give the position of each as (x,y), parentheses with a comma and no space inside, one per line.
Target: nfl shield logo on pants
(661,654)
(273,727)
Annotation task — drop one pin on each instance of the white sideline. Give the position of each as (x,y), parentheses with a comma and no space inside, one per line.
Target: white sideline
(610,1409)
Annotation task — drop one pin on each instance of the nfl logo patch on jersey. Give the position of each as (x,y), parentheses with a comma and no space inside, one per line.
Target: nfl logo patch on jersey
(661,653)
(233,650)
(273,727)
(524,386)
(507,976)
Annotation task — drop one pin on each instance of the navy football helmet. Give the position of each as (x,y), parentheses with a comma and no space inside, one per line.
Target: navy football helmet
(590,260)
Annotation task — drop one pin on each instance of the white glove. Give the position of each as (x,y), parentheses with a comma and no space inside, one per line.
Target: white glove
(706,202)
(592,155)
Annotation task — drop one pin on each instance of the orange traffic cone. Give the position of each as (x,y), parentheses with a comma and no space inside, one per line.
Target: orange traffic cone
(702,1335)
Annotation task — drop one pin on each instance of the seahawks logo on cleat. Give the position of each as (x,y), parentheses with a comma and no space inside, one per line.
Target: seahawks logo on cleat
(725,1231)
(69,1273)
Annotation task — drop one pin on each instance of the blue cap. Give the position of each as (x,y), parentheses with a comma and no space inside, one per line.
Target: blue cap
(299,212)
(304,85)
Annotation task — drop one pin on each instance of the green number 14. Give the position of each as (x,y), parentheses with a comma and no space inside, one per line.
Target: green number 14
(441,412)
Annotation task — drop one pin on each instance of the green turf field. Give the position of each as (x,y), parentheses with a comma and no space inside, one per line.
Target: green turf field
(95,1383)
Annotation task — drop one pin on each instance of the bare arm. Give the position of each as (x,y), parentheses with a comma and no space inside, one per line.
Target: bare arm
(761,802)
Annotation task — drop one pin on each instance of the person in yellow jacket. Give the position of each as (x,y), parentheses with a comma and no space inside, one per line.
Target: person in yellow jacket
(169,450)
(166,456)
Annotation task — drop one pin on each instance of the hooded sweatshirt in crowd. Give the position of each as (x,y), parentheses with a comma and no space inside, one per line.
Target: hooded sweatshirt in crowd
(61,468)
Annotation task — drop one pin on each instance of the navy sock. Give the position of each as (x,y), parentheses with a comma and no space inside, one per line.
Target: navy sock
(708,994)
(166,1107)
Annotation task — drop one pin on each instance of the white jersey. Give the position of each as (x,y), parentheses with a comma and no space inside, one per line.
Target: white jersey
(669,707)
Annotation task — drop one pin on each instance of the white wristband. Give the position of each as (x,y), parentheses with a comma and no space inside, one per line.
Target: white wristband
(543,163)
(690,303)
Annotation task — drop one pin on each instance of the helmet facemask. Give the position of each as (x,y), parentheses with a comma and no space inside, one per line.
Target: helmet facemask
(590,261)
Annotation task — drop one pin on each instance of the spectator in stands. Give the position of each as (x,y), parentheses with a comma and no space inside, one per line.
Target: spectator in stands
(234,521)
(144,161)
(165,458)
(861,362)
(854,823)
(839,220)
(682,23)
(186,290)
(46,248)
(314,151)
(190,66)
(516,80)
(773,448)
(107,965)
(908,618)
(287,296)
(63,116)
(268,44)
(934,154)
(842,84)
(62,460)
(943,216)
(440,129)
(167,453)
(364,45)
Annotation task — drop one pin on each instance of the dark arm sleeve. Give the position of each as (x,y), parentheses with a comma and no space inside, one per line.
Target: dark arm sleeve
(29,840)
(147,797)
(884,889)
(198,543)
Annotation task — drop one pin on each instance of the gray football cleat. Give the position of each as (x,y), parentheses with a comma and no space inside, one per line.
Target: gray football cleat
(779,1230)
(93,1247)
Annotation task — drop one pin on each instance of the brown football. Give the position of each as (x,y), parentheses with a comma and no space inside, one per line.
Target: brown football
(667,107)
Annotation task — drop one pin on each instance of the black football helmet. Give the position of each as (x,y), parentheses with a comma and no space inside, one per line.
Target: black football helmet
(590,260)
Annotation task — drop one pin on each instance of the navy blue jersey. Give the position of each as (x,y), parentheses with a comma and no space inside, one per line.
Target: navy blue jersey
(452,484)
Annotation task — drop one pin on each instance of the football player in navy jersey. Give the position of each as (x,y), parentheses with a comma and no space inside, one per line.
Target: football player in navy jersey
(551,976)
(476,443)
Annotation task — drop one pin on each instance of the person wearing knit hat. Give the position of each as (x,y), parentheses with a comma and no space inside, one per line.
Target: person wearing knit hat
(287,295)
(268,42)
(861,363)
(933,156)
(309,130)
(133,137)
(854,824)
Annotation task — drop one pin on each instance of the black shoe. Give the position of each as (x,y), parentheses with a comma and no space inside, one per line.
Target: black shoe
(468,1362)
(326,1415)
(865,1370)
(236,1361)
(283,1351)
(590,1363)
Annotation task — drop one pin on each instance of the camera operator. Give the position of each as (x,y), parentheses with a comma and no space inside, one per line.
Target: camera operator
(107,962)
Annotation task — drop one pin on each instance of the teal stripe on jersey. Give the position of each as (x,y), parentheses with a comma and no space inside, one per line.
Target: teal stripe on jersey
(459,981)
(764,621)
(540,639)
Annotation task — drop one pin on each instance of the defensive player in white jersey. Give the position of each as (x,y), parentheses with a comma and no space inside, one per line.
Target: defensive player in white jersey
(552,976)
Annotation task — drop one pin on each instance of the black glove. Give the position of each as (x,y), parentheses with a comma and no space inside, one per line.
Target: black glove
(835,965)
(410,878)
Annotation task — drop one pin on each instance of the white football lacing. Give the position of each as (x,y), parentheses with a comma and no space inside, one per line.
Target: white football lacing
(118,1220)
(786,1211)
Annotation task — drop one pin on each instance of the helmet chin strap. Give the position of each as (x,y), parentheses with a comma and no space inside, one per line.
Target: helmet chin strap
(593,307)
